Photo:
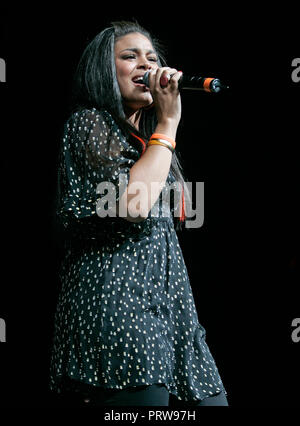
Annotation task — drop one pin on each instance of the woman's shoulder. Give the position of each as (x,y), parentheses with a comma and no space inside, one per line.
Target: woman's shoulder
(88,116)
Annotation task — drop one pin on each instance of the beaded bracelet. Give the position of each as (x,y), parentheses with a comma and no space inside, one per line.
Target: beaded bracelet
(162,143)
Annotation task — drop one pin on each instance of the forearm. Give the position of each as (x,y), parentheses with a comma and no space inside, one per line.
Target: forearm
(148,175)
(153,166)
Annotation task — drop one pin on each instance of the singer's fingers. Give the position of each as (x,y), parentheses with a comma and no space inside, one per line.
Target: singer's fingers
(154,78)
(159,72)
(175,78)
(152,74)
(166,75)
(162,77)
(166,99)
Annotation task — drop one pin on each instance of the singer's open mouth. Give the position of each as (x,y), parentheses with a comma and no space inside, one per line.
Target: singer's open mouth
(138,81)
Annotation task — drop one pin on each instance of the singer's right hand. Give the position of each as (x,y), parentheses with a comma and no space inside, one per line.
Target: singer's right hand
(166,99)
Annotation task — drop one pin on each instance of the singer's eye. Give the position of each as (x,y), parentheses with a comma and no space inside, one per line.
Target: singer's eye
(153,59)
(129,57)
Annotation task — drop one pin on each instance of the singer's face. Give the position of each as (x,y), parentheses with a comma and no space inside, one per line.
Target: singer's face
(134,55)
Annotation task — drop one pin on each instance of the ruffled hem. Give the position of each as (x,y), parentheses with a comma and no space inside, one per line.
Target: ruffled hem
(77,384)
(192,378)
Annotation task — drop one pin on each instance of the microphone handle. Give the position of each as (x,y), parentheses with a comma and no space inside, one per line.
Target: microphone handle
(210,85)
(207,84)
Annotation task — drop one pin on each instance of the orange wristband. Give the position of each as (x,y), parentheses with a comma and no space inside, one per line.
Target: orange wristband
(161,136)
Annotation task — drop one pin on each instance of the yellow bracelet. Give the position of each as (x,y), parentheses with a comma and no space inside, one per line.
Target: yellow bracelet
(164,137)
(164,143)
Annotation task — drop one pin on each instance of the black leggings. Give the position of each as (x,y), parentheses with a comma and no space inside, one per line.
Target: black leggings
(149,395)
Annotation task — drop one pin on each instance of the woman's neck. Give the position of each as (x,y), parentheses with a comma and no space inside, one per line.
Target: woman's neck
(134,117)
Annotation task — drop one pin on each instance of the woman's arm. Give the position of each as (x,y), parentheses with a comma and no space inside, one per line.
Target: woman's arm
(154,165)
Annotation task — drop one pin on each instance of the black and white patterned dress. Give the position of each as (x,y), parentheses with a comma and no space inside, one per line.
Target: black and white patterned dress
(126,314)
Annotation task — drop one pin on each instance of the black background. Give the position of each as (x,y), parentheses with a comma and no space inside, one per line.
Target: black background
(243,262)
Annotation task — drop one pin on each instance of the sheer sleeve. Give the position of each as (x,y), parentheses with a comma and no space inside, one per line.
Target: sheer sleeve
(94,151)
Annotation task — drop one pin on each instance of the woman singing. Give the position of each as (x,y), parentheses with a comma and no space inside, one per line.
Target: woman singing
(126,326)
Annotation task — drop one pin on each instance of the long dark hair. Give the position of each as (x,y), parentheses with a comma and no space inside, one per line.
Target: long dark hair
(95,85)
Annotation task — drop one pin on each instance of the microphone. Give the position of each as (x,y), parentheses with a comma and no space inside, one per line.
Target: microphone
(210,85)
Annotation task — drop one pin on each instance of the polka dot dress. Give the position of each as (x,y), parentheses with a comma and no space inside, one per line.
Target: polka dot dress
(125,314)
